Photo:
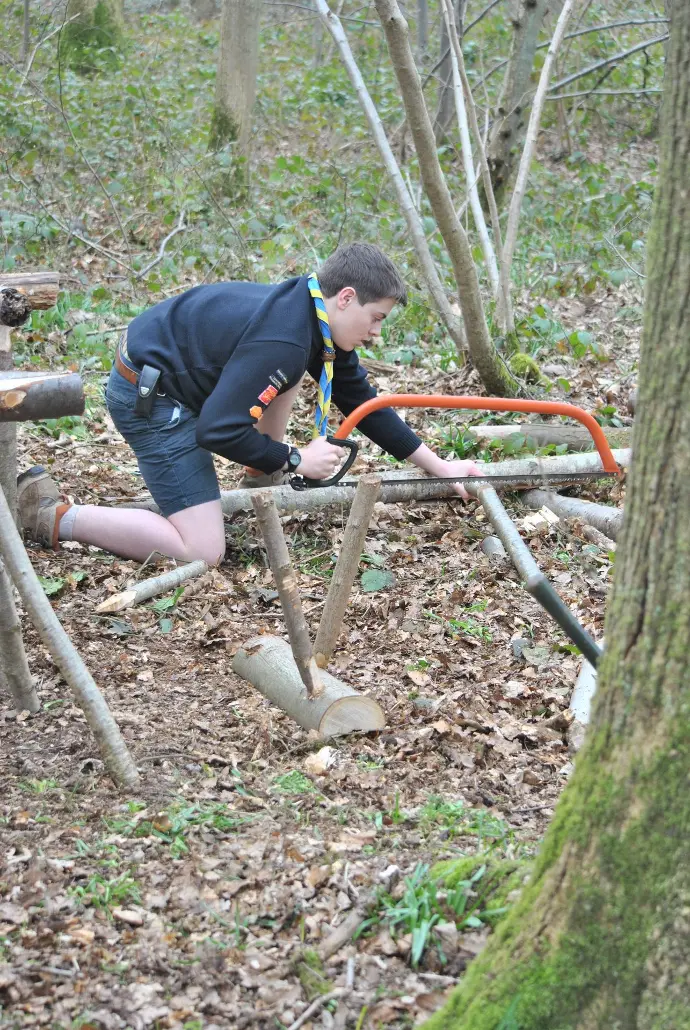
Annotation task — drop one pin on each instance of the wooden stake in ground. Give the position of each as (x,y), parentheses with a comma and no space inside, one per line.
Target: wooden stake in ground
(149,588)
(268,664)
(113,748)
(286,581)
(14,669)
(346,568)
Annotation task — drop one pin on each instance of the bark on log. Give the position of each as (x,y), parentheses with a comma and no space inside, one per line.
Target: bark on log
(27,396)
(286,582)
(576,437)
(40,288)
(407,486)
(606,519)
(149,588)
(346,568)
(268,664)
(494,549)
(8,433)
(14,668)
(113,748)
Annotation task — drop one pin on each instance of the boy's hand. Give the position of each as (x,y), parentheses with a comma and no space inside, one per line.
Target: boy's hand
(320,459)
(460,468)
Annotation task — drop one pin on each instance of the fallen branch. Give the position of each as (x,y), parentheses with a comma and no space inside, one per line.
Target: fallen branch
(27,396)
(346,568)
(268,663)
(577,438)
(112,745)
(606,519)
(408,487)
(180,227)
(493,549)
(148,588)
(13,664)
(279,559)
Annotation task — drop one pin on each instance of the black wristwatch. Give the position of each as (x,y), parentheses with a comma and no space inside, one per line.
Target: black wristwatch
(294,459)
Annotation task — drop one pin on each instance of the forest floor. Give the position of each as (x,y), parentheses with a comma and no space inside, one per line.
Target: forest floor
(190,904)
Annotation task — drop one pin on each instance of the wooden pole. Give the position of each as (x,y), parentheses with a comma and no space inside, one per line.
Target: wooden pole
(27,396)
(269,665)
(8,433)
(346,568)
(113,748)
(14,668)
(286,581)
(148,588)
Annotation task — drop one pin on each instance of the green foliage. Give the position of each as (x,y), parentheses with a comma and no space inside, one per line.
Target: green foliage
(105,892)
(294,782)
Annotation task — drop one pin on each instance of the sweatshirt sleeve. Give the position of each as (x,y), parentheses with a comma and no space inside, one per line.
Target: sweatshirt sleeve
(255,374)
(352,388)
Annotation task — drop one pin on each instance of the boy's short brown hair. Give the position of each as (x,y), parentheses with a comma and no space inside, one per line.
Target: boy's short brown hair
(365,268)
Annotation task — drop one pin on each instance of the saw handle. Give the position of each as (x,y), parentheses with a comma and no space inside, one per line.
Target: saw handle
(303,483)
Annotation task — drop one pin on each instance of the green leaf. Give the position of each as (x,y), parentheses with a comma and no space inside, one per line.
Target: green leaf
(51,586)
(376,579)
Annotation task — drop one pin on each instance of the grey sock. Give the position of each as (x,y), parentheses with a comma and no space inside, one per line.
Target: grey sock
(66,526)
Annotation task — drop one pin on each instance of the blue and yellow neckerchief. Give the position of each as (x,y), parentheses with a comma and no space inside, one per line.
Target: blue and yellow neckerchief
(323,402)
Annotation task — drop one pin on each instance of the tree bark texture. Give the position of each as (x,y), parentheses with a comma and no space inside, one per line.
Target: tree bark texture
(507,131)
(604,517)
(600,937)
(286,581)
(14,668)
(444,108)
(8,433)
(346,568)
(238,61)
(117,758)
(27,396)
(495,376)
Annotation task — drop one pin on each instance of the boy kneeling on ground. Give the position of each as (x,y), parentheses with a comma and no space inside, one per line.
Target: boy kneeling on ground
(216,370)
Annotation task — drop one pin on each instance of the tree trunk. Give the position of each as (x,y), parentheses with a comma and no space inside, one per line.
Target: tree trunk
(600,937)
(8,434)
(507,133)
(100,26)
(422,28)
(445,106)
(238,59)
(494,374)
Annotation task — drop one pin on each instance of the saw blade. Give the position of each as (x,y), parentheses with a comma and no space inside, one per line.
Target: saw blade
(529,479)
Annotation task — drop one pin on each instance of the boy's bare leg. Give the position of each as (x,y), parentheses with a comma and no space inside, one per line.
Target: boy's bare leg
(196,532)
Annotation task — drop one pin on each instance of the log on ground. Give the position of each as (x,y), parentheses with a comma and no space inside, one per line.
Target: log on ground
(576,438)
(40,288)
(27,396)
(605,518)
(268,664)
(404,487)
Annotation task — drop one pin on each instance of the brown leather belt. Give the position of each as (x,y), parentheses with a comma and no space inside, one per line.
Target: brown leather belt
(125,371)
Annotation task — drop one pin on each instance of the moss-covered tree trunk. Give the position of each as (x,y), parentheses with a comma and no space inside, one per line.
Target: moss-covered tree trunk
(601,937)
(238,58)
(92,26)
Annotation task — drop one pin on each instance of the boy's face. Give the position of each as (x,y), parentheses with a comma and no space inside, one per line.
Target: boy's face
(353,324)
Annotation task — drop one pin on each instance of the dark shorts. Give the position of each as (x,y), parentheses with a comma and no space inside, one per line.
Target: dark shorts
(178,472)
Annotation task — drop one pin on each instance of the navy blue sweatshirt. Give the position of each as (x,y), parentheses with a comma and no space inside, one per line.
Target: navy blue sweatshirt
(226,350)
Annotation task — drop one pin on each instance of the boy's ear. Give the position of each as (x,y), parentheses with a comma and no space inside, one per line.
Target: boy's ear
(346,296)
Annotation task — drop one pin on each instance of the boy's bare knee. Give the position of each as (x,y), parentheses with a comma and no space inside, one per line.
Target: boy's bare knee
(212,555)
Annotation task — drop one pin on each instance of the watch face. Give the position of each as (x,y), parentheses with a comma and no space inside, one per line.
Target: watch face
(294,459)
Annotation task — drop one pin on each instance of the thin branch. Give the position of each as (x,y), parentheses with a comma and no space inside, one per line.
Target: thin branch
(603,93)
(466,29)
(467,157)
(622,257)
(605,62)
(180,227)
(532,133)
(40,44)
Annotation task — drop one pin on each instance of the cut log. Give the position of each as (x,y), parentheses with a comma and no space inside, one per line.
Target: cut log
(575,437)
(113,748)
(268,664)
(41,288)
(14,667)
(286,582)
(606,519)
(26,396)
(402,487)
(346,568)
(149,588)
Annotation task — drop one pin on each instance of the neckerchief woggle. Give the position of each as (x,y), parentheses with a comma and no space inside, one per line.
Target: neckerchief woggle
(323,399)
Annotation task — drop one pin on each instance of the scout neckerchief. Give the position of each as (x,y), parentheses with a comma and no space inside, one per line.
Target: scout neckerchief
(323,401)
